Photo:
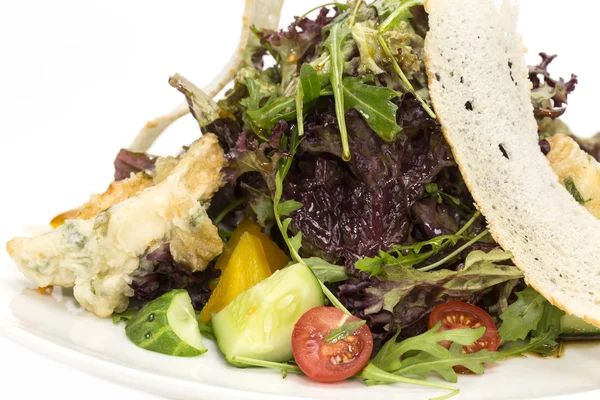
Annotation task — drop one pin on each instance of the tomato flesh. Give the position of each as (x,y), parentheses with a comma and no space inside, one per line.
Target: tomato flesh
(459,315)
(329,362)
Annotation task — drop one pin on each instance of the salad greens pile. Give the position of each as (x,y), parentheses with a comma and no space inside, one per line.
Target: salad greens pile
(334,150)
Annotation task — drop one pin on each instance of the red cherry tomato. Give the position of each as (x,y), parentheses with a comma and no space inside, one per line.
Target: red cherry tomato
(329,362)
(459,315)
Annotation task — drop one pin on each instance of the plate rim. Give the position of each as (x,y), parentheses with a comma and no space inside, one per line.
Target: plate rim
(157,384)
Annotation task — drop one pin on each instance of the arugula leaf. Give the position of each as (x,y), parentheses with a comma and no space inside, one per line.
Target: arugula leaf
(275,109)
(391,353)
(543,339)
(385,7)
(410,255)
(570,186)
(255,96)
(375,376)
(287,207)
(421,364)
(400,13)
(522,316)
(337,34)
(308,90)
(391,366)
(326,272)
(455,253)
(373,103)
(310,83)
(343,331)
(253,362)
(433,191)
(374,265)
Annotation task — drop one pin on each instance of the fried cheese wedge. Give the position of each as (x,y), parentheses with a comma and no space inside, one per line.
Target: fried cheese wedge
(100,256)
(578,171)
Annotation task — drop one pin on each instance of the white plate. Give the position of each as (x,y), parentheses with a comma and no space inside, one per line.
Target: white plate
(58,327)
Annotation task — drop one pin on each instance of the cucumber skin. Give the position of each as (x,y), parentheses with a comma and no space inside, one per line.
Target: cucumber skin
(574,326)
(168,342)
(231,335)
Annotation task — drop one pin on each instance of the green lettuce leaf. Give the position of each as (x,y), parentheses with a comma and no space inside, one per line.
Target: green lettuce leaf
(402,285)
(326,272)
(370,51)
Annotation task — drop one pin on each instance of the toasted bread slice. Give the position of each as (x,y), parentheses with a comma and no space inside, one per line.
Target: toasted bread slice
(479,85)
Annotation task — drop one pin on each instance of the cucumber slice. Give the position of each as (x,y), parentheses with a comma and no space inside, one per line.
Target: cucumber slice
(167,325)
(259,322)
(574,328)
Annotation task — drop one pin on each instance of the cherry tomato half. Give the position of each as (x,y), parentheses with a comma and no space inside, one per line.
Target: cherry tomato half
(459,315)
(329,362)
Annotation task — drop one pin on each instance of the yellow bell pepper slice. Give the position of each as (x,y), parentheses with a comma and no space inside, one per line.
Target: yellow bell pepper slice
(247,265)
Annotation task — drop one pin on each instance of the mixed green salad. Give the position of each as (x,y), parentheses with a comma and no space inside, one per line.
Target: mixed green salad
(351,244)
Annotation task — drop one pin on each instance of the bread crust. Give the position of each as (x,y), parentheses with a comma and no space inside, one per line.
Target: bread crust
(499,234)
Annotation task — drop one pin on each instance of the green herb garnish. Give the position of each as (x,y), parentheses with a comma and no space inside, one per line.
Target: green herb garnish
(343,331)
(570,186)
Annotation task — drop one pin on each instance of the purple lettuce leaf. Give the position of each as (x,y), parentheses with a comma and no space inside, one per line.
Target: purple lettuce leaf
(128,162)
(168,275)
(352,210)
(297,44)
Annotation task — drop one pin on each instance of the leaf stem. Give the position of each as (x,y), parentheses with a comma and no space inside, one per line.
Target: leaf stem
(454,253)
(403,77)
(469,223)
(355,11)
(266,364)
(300,108)
(392,19)
(267,46)
(378,375)
(335,77)
(333,3)
(332,299)
(232,206)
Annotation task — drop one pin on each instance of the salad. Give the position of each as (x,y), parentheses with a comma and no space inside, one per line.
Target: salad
(321,224)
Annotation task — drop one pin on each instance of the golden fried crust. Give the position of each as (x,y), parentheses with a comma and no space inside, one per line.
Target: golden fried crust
(569,161)
(101,256)
(116,193)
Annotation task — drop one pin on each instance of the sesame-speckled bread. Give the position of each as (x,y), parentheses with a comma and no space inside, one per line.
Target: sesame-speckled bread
(481,93)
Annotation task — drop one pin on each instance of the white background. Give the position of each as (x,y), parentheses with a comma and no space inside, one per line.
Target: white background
(79,78)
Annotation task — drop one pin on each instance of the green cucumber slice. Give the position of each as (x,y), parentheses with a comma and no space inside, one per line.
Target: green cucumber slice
(258,323)
(167,325)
